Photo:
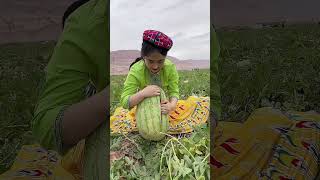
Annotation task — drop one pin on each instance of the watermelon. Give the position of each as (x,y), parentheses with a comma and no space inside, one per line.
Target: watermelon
(150,121)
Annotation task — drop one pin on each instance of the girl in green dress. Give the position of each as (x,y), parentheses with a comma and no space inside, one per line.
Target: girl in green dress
(73,97)
(147,74)
(73,101)
(151,72)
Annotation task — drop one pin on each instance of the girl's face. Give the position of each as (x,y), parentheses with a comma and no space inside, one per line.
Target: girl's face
(154,62)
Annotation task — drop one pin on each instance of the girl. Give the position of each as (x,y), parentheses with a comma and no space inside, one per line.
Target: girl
(146,76)
(150,72)
(76,71)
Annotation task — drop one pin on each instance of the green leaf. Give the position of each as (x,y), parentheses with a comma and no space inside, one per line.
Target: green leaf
(187,159)
(191,177)
(157,176)
(182,151)
(199,152)
(186,171)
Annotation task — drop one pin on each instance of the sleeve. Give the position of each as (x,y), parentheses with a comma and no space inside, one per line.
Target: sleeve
(131,86)
(173,85)
(68,73)
(214,74)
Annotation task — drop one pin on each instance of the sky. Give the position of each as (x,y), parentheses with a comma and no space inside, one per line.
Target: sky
(187,22)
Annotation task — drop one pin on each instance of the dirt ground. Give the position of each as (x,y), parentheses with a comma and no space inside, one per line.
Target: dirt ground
(31,20)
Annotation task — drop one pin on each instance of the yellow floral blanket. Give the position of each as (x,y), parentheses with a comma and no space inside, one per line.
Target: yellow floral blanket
(269,145)
(188,113)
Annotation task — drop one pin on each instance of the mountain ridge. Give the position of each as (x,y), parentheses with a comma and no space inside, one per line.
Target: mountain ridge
(121,60)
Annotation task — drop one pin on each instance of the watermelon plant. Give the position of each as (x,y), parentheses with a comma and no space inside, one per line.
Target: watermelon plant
(173,157)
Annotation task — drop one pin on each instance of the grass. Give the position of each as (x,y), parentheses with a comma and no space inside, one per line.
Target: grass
(277,67)
(269,67)
(21,68)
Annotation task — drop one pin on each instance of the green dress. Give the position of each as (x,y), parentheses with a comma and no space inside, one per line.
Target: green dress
(78,68)
(139,77)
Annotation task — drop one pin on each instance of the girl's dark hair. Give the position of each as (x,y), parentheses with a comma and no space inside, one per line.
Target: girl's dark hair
(148,48)
(71,9)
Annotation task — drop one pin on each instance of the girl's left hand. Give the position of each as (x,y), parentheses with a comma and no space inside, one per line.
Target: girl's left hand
(166,107)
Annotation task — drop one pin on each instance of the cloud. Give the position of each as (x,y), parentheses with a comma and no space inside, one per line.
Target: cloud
(176,5)
(204,36)
(178,35)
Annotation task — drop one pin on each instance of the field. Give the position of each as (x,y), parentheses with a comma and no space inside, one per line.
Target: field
(21,69)
(276,67)
(260,67)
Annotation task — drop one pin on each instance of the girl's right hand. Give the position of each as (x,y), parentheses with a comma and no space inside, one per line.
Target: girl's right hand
(150,91)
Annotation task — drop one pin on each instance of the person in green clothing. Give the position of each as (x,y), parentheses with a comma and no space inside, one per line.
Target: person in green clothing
(73,101)
(151,72)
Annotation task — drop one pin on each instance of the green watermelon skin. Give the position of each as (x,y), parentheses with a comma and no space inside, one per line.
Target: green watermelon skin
(150,121)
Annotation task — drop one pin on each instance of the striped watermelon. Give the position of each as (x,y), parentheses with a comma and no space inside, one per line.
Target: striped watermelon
(150,121)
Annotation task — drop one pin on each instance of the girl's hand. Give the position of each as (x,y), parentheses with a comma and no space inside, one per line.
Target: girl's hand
(166,107)
(150,91)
